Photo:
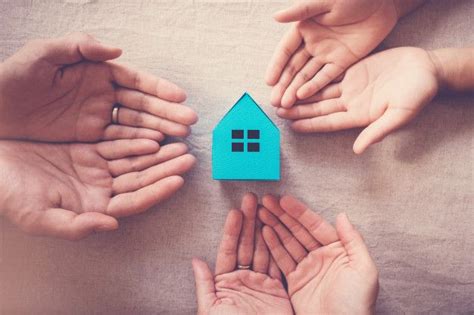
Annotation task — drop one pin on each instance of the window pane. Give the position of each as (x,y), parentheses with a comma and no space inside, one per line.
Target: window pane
(253,134)
(237,147)
(237,134)
(253,147)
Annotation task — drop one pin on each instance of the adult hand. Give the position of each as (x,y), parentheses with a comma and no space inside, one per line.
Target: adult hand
(234,289)
(328,37)
(383,92)
(71,190)
(62,89)
(329,271)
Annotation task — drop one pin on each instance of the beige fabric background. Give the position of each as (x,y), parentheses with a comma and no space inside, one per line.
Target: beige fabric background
(412,195)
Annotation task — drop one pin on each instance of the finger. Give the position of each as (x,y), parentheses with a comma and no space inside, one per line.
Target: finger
(352,241)
(246,240)
(145,82)
(297,229)
(319,228)
(329,123)
(138,201)
(392,119)
(273,270)
(117,149)
(329,92)
(130,117)
(205,286)
(321,108)
(295,64)
(324,76)
(139,163)
(67,224)
(285,49)
(279,253)
(261,256)
(302,10)
(227,255)
(291,244)
(137,180)
(306,73)
(115,132)
(74,48)
(139,101)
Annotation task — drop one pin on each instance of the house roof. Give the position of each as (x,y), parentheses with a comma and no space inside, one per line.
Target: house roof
(239,102)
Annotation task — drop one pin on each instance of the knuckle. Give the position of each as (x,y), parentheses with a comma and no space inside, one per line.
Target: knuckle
(28,222)
(314,225)
(81,36)
(139,179)
(291,69)
(300,257)
(295,228)
(74,235)
(287,52)
(142,101)
(138,118)
(228,251)
(136,79)
(133,163)
(35,43)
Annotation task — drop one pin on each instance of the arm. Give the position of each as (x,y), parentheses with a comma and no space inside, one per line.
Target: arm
(454,68)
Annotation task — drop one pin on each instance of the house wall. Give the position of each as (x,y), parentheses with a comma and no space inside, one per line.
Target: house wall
(262,165)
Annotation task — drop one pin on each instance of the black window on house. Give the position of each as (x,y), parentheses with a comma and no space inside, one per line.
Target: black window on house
(239,140)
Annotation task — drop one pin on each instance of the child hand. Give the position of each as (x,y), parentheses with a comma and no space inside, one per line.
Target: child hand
(383,92)
(328,270)
(328,37)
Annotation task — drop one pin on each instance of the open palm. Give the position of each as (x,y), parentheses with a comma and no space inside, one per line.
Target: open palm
(329,271)
(249,292)
(257,290)
(329,37)
(383,91)
(71,190)
(62,90)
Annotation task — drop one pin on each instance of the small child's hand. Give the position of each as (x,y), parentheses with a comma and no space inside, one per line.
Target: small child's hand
(383,92)
(329,36)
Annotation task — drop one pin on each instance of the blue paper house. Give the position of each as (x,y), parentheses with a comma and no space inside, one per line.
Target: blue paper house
(246,144)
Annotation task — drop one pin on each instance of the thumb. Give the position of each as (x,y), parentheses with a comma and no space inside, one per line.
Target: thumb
(205,287)
(77,47)
(392,119)
(351,240)
(302,10)
(69,225)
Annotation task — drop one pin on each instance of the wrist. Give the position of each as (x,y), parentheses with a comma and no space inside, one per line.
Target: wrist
(10,126)
(439,68)
(404,7)
(8,182)
(454,68)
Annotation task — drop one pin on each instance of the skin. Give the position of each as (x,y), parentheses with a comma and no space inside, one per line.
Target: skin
(72,190)
(328,270)
(230,291)
(64,89)
(382,93)
(454,68)
(327,38)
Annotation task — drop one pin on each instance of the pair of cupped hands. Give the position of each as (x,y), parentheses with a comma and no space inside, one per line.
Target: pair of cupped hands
(66,169)
(280,257)
(321,83)
(69,171)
